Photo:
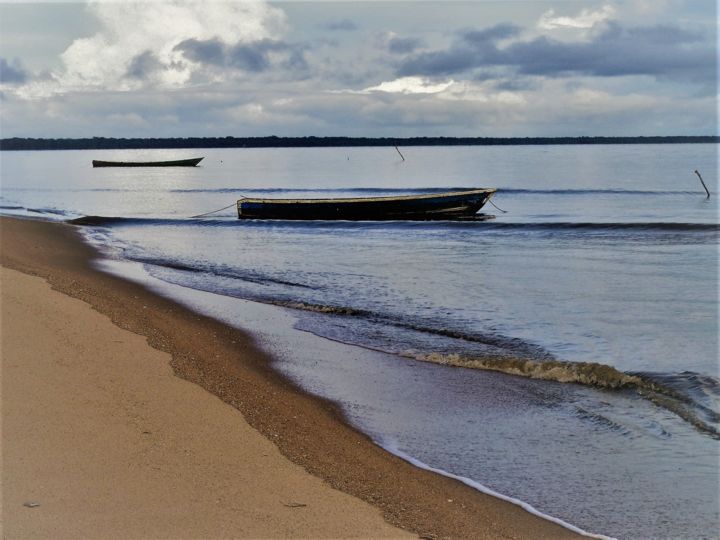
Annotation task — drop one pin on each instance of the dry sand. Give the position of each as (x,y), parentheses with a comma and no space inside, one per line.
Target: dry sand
(99,432)
(116,430)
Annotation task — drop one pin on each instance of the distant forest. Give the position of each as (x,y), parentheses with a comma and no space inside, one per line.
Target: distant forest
(108,143)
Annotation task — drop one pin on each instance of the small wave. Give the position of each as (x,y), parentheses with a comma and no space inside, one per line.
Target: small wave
(497,341)
(52,211)
(653,387)
(494,342)
(221,271)
(48,213)
(610,226)
(481,223)
(587,373)
(610,191)
(109,221)
(393,449)
(691,396)
(319,308)
(601,420)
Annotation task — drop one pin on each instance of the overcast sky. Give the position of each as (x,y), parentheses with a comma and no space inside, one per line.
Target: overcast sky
(430,68)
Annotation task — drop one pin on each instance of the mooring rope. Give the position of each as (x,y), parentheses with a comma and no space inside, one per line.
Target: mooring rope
(213,212)
(496,206)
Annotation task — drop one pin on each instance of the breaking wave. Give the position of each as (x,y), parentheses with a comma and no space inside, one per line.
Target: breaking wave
(668,391)
(691,396)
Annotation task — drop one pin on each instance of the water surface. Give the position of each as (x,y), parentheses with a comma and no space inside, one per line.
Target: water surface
(563,353)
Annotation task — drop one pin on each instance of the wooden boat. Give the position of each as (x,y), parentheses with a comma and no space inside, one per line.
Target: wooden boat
(174,163)
(430,206)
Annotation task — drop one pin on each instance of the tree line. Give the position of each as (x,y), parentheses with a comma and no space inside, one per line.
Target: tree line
(113,143)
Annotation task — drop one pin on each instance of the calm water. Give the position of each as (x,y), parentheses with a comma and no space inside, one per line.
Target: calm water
(564,353)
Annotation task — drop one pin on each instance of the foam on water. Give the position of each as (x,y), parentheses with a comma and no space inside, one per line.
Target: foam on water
(392,448)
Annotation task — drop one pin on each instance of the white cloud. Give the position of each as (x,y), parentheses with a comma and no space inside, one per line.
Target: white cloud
(585,20)
(410,85)
(131,29)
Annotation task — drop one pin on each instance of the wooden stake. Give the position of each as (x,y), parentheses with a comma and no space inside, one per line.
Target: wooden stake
(398,151)
(703,184)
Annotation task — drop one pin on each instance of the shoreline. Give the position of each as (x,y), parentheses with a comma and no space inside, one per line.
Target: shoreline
(226,362)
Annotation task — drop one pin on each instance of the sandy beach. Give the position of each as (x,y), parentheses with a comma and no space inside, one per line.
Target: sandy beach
(124,415)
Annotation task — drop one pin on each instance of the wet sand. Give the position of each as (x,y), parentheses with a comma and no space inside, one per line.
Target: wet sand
(102,427)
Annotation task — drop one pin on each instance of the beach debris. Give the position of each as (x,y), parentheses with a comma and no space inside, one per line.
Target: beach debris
(703,184)
(294,504)
(31,504)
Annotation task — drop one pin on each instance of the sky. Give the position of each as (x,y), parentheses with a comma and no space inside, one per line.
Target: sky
(363,68)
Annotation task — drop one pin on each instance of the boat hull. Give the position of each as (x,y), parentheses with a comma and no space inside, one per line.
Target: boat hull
(174,163)
(436,206)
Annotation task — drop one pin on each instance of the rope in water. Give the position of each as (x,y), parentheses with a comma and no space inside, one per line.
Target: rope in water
(496,206)
(213,212)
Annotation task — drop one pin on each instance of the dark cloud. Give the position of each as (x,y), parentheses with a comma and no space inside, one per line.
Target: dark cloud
(13,73)
(252,57)
(473,48)
(660,51)
(341,25)
(516,84)
(490,35)
(399,45)
(296,60)
(660,34)
(143,65)
(211,51)
(439,63)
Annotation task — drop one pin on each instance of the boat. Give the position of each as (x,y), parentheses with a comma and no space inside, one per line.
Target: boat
(174,163)
(429,206)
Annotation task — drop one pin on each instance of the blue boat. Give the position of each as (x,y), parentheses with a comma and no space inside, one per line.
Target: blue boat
(430,206)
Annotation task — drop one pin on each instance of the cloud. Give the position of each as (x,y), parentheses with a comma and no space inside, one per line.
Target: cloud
(618,51)
(231,68)
(489,36)
(409,85)
(471,49)
(661,51)
(12,73)
(137,42)
(143,66)
(340,25)
(552,107)
(400,45)
(586,19)
(254,57)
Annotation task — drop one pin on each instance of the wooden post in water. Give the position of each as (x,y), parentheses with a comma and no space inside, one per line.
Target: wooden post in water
(703,184)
